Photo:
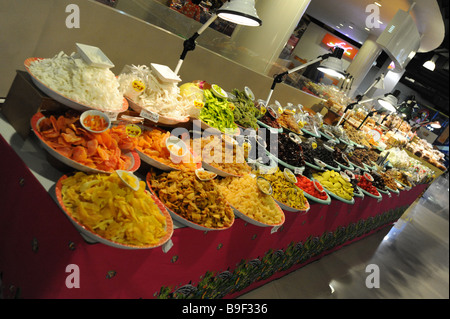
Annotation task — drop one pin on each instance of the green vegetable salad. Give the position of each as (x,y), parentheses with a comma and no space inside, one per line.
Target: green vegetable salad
(245,111)
(217,112)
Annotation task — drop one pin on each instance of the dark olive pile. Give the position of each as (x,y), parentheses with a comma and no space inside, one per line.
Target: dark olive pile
(289,151)
(337,156)
(320,153)
(355,160)
(378,182)
(308,154)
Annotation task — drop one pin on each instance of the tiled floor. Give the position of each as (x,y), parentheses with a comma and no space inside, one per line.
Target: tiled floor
(412,258)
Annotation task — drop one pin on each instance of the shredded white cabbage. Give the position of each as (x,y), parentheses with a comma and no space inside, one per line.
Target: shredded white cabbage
(73,78)
(159,97)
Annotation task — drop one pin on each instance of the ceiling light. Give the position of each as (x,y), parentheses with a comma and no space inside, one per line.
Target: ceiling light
(350,27)
(431,64)
(367,29)
(377,3)
(388,105)
(380,22)
(406,109)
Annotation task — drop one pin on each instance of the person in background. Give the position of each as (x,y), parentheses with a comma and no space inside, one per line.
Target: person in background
(189,8)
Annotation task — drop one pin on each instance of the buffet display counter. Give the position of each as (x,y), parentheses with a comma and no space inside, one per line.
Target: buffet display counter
(42,255)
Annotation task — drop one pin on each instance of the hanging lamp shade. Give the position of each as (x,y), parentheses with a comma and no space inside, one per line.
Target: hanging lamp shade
(390,101)
(333,64)
(435,124)
(241,12)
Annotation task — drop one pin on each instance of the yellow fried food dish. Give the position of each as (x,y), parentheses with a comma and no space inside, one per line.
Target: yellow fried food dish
(109,208)
(286,192)
(244,195)
(200,202)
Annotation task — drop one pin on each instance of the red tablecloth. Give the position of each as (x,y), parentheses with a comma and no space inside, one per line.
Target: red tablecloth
(38,243)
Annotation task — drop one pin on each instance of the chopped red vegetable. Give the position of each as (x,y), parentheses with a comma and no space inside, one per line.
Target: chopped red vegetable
(365,184)
(307,186)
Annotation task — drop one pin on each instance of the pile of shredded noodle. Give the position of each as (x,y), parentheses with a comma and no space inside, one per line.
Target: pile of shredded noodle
(159,97)
(75,79)
(106,206)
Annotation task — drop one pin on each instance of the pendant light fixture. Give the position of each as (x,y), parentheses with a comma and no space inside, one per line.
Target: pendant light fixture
(435,125)
(241,12)
(387,101)
(390,101)
(378,83)
(332,66)
(330,63)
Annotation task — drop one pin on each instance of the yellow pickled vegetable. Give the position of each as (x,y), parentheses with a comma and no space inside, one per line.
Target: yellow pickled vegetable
(251,202)
(334,182)
(285,191)
(109,208)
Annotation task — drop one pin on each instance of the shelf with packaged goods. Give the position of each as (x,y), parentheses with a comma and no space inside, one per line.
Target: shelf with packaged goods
(437,171)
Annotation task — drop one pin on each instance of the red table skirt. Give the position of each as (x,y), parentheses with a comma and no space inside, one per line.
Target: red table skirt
(38,243)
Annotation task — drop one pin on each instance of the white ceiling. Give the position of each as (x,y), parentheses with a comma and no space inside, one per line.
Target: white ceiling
(352,13)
